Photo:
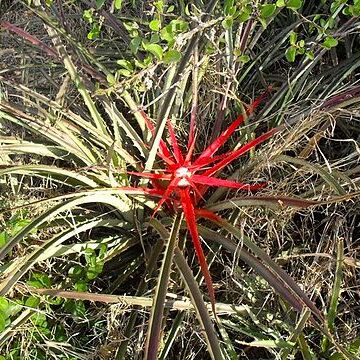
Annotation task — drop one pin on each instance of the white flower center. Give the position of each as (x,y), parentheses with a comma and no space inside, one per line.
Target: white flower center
(183,173)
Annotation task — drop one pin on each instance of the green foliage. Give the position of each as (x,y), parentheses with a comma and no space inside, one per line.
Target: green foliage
(155,25)
(172,56)
(330,42)
(154,49)
(297,48)
(4,314)
(160,42)
(89,17)
(17,222)
(352,9)
(294,4)
(39,280)
(118,4)
(94,262)
(291,54)
(267,10)
(244,58)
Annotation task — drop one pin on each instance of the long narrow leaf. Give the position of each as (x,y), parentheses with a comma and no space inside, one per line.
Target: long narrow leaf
(157,310)
(212,340)
(175,145)
(189,214)
(75,77)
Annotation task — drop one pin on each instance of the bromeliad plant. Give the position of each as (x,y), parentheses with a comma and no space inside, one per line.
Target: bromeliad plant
(188,179)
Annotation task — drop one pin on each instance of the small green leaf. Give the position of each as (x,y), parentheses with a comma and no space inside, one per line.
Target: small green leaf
(125,64)
(280,3)
(167,34)
(39,320)
(155,25)
(330,42)
(355,10)
(75,307)
(3,238)
(227,5)
(4,304)
(118,4)
(111,79)
(310,55)
(293,38)
(267,10)
(76,272)
(347,11)
(331,23)
(159,6)
(335,5)
(231,11)
(300,51)
(290,54)
(155,38)
(102,251)
(19,225)
(134,44)
(227,23)
(132,28)
(294,4)
(124,72)
(95,32)
(32,302)
(154,49)
(35,284)
(244,15)
(171,56)
(170,9)
(60,333)
(2,321)
(42,278)
(88,15)
(301,43)
(179,25)
(80,286)
(244,59)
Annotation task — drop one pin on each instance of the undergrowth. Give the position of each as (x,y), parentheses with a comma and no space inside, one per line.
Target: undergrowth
(98,98)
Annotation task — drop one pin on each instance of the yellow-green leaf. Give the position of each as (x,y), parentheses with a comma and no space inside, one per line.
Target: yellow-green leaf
(267,10)
(155,25)
(154,49)
(172,56)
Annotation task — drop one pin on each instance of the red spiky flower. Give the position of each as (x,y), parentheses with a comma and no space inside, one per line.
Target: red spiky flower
(188,179)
